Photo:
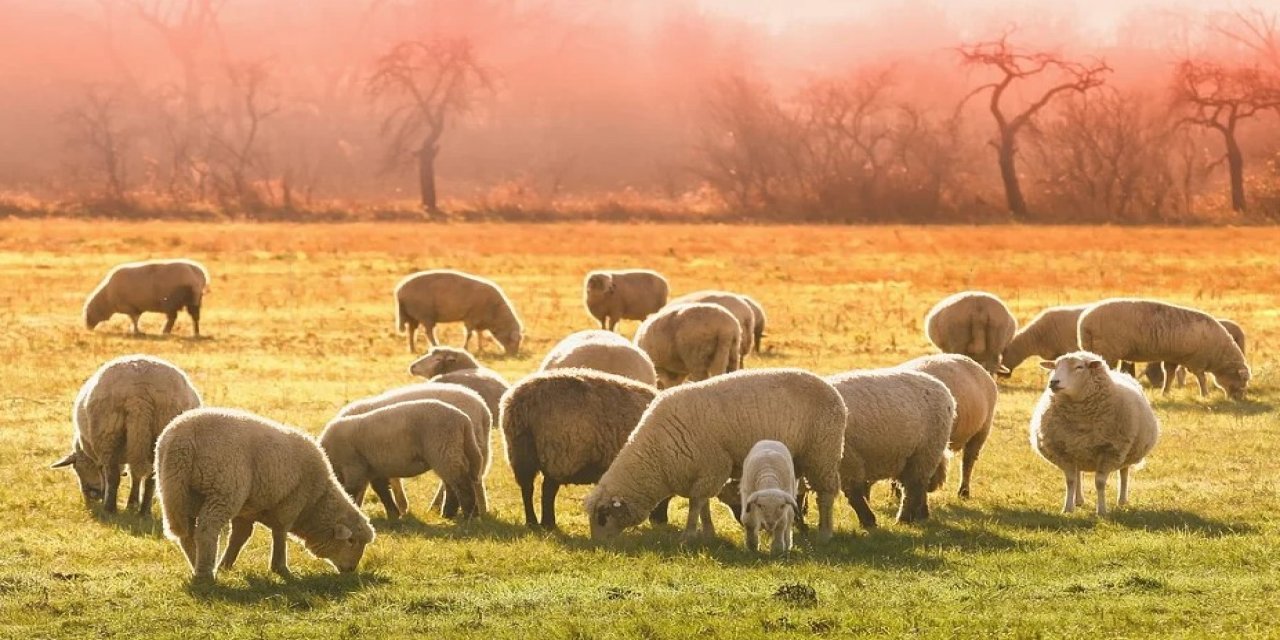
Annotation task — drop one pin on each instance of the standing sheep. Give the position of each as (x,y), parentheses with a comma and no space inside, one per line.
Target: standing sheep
(693,438)
(1150,331)
(693,341)
(603,351)
(568,425)
(1156,371)
(972,323)
(758,320)
(1049,335)
(118,414)
(402,441)
(768,495)
(449,364)
(735,305)
(975,394)
(1091,418)
(220,466)
(612,296)
(898,426)
(429,298)
(134,288)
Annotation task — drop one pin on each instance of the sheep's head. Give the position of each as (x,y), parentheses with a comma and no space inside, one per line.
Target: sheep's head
(599,284)
(510,340)
(1234,380)
(95,310)
(441,360)
(342,545)
(89,474)
(770,509)
(1075,373)
(610,515)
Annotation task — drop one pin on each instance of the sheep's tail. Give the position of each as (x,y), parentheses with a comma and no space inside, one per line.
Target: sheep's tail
(978,329)
(174,453)
(402,316)
(475,465)
(939,477)
(759,335)
(724,359)
(141,426)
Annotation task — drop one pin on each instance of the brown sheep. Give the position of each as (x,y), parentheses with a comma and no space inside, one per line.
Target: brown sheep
(612,296)
(428,298)
(134,288)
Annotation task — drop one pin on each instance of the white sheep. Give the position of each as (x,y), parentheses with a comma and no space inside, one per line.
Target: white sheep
(166,286)
(972,323)
(1157,372)
(404,440)
(694,437)
(1049,335)
(463,398)
(898,426)
(690,341)
(603,351)
(758,320)
(611,296)
(453,365)
(220,466)
(1152,331)
(975,394)
(568,425)
(736,305)
(428,298)
(118,414)
(1091,418)
(768,495)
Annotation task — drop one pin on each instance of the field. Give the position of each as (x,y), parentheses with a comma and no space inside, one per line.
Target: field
(300,321)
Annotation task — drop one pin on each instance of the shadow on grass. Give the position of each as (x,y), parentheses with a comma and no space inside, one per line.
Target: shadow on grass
(296,593)
(437,527)
(1216,404)
(1155,520)
(132,522)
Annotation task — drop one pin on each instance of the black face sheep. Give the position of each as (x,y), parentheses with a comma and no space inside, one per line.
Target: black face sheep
(1156,371)
(166,286)
(568,425)
(118,415)
(972,323)
(1050,334)
(975,394)
(222,466)
(402,441)
(690,341)
(603,351)
(428,298)
(694,437)
(735,305)
(1153,331)
(1091,418)
(464,399)
(612,296)
(898,426)
(768,495)
(452,365)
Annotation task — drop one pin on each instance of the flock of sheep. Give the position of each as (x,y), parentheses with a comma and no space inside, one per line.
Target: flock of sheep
(671,413)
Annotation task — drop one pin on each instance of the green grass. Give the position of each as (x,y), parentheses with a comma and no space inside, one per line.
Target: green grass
(300,322)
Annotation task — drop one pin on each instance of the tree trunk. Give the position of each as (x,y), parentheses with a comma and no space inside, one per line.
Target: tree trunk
(1235,164)
(427,176)
(1009,175)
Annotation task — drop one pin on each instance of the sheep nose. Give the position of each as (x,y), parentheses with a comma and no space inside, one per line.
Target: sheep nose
(1055,386)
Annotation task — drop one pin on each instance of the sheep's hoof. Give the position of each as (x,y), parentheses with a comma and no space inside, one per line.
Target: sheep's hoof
(964,492)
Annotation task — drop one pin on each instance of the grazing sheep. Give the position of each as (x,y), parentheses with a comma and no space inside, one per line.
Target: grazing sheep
(758,320)
(568,425)
(220,466)
(975,394)
(1050,334)
(734,304)
(693,438)
(972,323)
(402,441)
(157,285)
(1091,418)
(898,426)
(118,414)
(1153,331)
(690,341)
(603,351)
(768,495)
(462,398)
(612,296)
(449,364)
(429,298)
(1155,371)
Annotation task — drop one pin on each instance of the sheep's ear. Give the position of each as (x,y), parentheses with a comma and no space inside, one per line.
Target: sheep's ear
(341,532)
(602,517)
(1095,364)
(1046,364)
(69,460)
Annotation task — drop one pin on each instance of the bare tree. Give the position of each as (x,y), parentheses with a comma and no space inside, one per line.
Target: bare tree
(747,146)
(427,84)
(236,131)
(1020,68)
(1219,97)
(1257,30)
(95,127)
(847,129)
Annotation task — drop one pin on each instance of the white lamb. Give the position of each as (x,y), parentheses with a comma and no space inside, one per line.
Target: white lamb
(768,490)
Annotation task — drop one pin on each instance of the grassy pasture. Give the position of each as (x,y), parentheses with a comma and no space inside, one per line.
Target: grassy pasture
(300,321)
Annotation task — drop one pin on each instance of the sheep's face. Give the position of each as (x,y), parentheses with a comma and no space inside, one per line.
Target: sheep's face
(599,285)
(1234,381)
(609,516)
(510,341)
(1072,375)
(436,362)
(344,545)
(88,473)
(95,313)
(772,510)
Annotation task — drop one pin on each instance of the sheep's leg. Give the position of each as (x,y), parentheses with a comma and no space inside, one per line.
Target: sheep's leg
(209,523)
(134,317)
(1124,487)
(856,492)
(111,480)
(549,489)
(411,328)
(397,493)
(708,528)
(450,509)
(613,324)
(241,529)
(279,555)
(752,537)
(659,513)
(695,514)
(826,516)
(970,459)
(382,489)
(148,495)
(1168,382)
(1073,481)
(1204,384)
(1100,483)
(170,318)
(1079,489)
(135,490)
(430,329)
(193,310)
(466,339)
(1181,373)
(914,505)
